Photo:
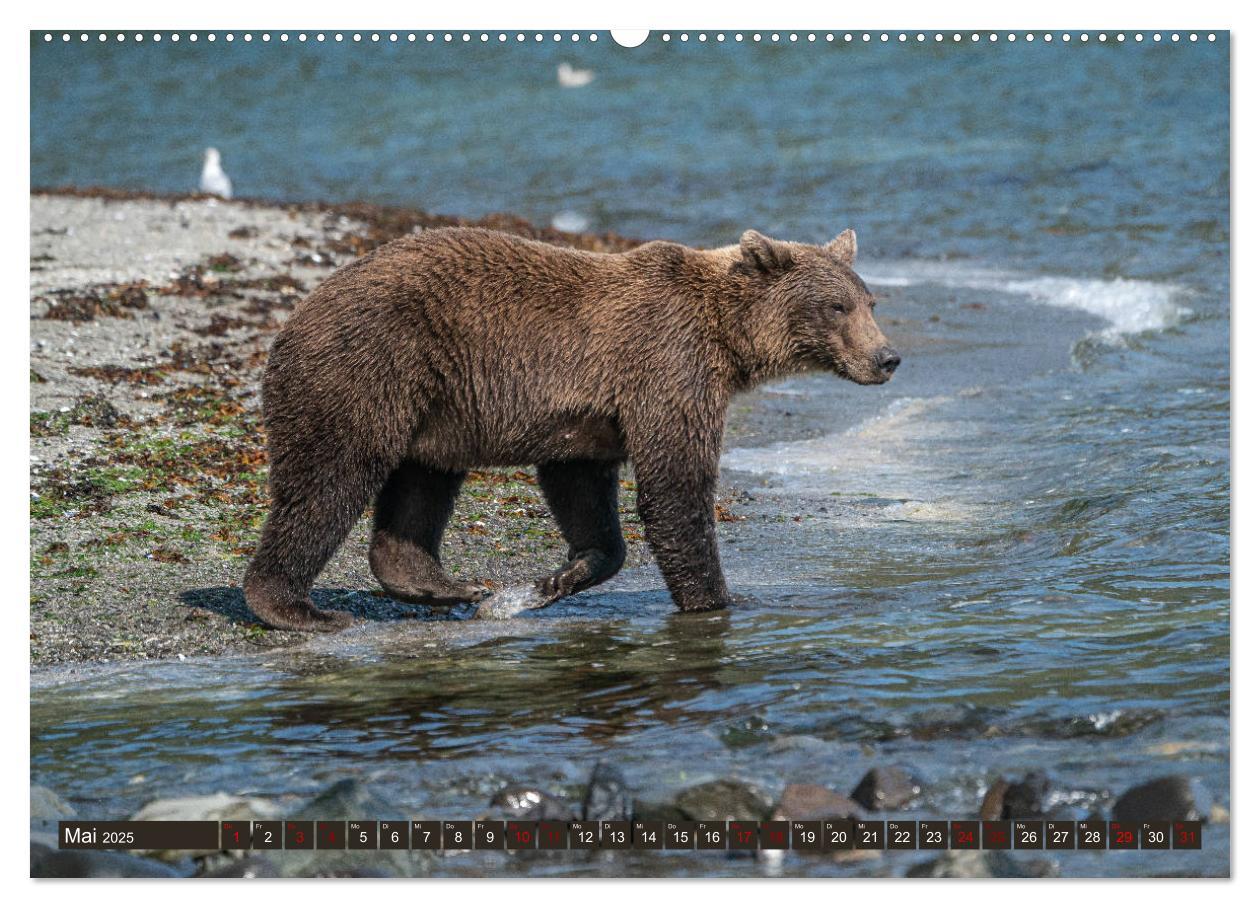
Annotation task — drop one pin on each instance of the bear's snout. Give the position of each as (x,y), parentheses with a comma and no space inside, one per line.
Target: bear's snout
(887,360)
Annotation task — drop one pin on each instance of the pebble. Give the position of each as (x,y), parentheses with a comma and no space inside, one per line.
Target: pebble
(886,788)
(723,799)
(801,801)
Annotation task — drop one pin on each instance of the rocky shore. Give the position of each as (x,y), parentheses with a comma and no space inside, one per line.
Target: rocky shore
(150,323)
(882,792)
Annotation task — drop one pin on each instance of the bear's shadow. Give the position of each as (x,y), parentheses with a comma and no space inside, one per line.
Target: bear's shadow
(229,601)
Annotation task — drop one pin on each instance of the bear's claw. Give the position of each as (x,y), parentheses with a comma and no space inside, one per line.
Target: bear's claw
(303,616)
(453,593)
(556,586)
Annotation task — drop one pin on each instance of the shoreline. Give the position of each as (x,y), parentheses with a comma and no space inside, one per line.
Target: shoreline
(151,316)
(384,222)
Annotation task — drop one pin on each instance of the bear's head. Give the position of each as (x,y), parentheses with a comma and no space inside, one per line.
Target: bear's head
(811,310)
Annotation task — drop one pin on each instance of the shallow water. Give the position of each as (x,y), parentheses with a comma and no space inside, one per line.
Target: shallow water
(1014,556)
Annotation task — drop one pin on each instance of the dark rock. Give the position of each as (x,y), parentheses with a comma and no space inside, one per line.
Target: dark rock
(39,851)
(348,799)
(1006,866)
(960,720)
(99,865)
(1165,798)
(351,873)
(353,863)
(886,788)
(650,811)
(250,868)
(1020,800)
(723,799)
(1026,799)
(814,802)
(528,803)
(750,730)
(608,796)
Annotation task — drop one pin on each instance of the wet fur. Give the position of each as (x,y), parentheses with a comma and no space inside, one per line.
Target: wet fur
(461,348)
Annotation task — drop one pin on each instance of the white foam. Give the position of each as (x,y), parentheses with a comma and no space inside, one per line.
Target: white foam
(877,465)
(1128,306)
(835,451)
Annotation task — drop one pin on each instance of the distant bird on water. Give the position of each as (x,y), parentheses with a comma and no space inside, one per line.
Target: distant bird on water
(568,77)
(213,180)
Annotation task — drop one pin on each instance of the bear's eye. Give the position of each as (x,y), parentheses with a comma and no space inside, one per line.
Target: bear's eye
(839,307)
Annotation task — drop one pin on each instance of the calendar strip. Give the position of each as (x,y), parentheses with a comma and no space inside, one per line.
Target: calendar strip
(636,835)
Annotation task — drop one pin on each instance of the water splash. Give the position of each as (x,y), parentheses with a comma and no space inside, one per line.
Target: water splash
(1129,306)
(510,602)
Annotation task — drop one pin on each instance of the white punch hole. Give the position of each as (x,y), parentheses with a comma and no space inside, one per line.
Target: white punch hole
(630,37)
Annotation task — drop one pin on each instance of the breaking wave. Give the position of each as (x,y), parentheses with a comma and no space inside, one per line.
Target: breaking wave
(1128,306)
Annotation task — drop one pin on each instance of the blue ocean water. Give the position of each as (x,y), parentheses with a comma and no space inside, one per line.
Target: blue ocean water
(1096,155)
(1018,551)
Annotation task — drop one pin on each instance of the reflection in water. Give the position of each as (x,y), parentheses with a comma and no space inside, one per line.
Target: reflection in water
(576,681)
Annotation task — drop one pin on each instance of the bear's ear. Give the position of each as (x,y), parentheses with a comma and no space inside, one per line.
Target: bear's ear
(844,246)
(761,253)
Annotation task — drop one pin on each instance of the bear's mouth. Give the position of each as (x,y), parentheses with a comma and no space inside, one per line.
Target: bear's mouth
(875,377)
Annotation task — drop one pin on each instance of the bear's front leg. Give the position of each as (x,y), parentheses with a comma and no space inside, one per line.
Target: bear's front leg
(677,479)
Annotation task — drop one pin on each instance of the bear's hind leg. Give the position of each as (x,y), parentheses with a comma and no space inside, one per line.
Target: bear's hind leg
(411,514)
(314,506)
(582,494)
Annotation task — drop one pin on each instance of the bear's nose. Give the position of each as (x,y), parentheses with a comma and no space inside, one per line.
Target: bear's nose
(887,359)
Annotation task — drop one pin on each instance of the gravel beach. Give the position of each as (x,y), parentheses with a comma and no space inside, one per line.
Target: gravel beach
(150,323)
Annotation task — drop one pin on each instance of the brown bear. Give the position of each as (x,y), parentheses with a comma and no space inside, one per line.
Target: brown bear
(460,348)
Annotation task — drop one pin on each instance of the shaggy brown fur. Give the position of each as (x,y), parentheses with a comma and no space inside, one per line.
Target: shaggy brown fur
(458,348)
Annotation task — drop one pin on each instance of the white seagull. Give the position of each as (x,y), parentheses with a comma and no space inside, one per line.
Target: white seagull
(213,180)
(568,77)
